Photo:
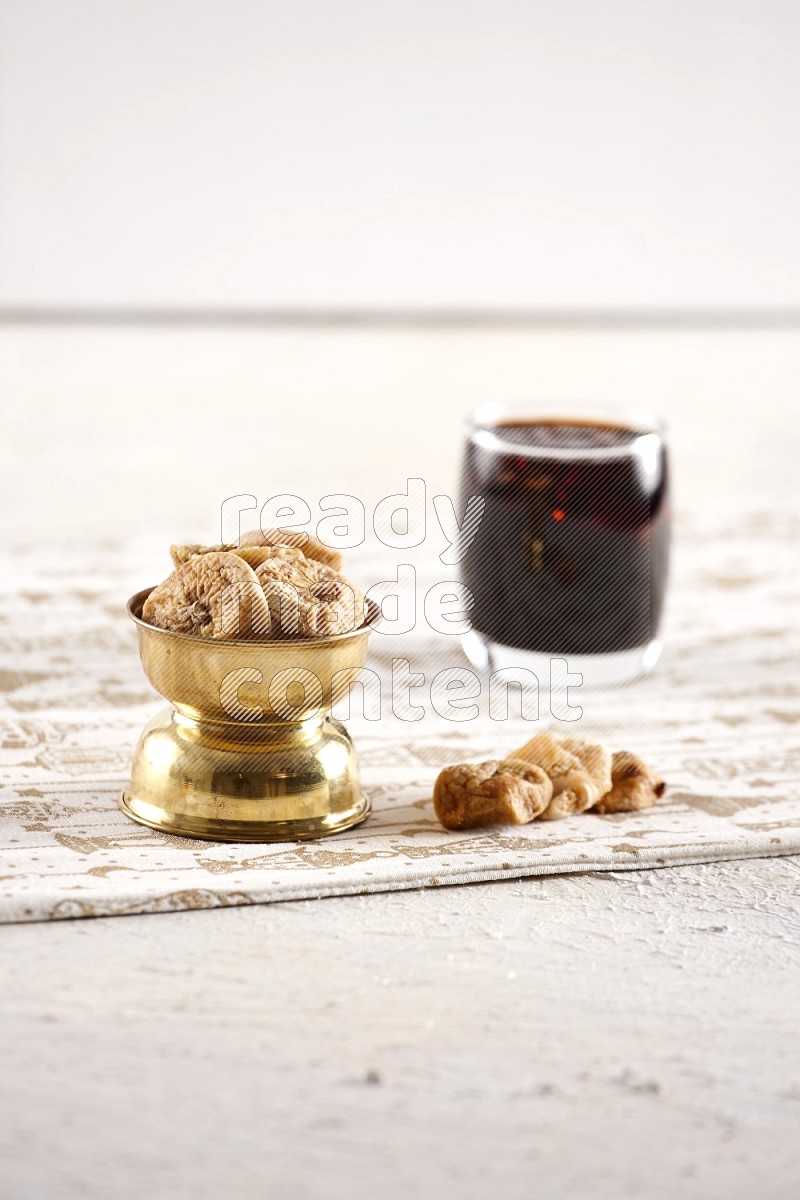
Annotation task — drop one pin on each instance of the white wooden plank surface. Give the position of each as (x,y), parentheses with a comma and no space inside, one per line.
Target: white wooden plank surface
(583,1037)
(572,1038)
(147,430)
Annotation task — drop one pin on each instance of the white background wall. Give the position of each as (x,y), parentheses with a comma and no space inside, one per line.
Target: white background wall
(430,152)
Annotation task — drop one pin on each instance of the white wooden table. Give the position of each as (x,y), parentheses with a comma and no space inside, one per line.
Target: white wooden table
(591,1037)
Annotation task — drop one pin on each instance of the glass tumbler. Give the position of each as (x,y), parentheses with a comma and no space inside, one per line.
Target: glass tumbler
(569,557)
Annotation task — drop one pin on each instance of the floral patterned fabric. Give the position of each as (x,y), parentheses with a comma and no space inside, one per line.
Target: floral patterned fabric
(719,719)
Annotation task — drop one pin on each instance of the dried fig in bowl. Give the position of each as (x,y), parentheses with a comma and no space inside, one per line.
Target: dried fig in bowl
(308,599)
(213,595)
(309,545)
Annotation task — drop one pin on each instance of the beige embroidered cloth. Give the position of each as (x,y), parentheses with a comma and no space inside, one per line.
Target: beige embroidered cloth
(720,718)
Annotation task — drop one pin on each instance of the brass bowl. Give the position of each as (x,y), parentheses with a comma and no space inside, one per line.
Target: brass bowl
(246,752)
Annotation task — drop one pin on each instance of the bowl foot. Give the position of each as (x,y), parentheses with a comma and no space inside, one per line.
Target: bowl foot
(220,830)
(229,783)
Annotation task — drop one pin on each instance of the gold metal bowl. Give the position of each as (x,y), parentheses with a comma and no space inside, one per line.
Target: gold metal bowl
(246,752)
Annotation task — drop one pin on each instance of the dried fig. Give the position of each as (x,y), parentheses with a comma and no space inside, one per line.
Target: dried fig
(490,793)
(634,785)
(211,595)
(580,771)
(310,547)
(309,599)
(330,607)
(282,580)
(182,554)
(596,760)
(300,572)
(256,556)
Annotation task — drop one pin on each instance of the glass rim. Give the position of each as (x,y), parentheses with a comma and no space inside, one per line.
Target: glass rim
(488,418)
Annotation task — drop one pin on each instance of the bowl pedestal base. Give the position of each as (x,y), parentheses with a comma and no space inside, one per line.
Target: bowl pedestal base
(237,782)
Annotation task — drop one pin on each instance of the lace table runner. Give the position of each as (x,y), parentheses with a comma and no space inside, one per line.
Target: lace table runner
(719,718)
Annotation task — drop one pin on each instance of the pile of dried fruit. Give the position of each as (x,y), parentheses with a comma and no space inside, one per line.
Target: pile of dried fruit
(549,777)
(275,584)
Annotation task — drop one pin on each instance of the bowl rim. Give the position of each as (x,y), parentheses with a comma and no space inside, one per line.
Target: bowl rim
(138,599)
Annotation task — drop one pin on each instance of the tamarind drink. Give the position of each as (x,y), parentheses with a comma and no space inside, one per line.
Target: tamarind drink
(571,554)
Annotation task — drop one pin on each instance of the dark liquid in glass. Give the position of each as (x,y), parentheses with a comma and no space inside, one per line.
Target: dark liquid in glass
(571,554)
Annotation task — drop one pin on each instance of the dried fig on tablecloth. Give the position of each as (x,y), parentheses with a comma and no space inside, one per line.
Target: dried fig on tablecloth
(510,792)
(580,771)
(211,595)
(634,785)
